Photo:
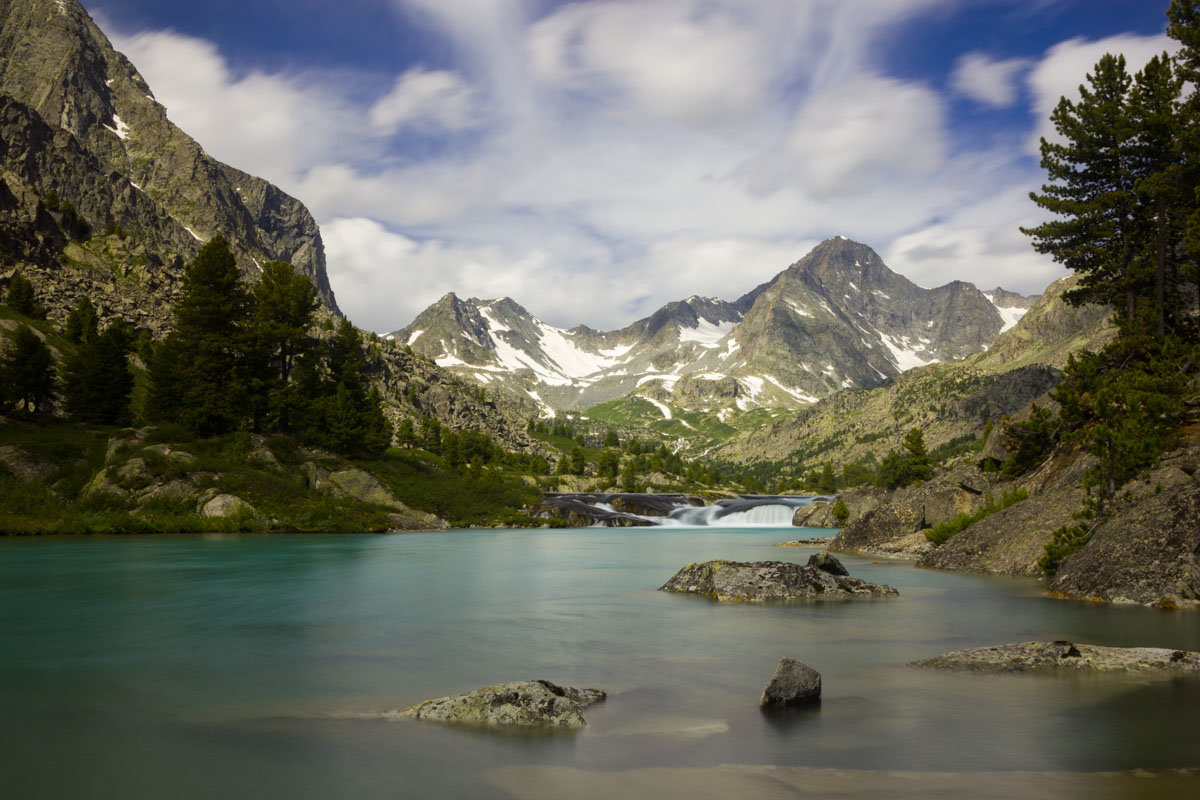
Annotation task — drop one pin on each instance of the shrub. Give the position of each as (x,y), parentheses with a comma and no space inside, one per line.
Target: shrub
(939,534)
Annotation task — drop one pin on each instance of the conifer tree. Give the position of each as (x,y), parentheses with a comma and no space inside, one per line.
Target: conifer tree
(199,371)
(27,373)
(82,324)
(20,297)
(97,381)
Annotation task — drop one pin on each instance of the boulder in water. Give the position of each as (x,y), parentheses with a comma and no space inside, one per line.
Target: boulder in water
(521,703)
(760,581)
(793,684)
(827,563)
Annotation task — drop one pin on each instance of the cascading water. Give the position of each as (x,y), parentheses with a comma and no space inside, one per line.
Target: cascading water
(680,511)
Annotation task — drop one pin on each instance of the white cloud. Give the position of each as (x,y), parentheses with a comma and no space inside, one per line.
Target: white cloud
(1064,67)
(426,98)
(604,158)
(984,80)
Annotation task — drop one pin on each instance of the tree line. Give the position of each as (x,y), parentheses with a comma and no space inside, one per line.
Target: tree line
(237,358)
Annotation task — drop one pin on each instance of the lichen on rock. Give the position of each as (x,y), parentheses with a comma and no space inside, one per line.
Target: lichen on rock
(767,581)
(537,703)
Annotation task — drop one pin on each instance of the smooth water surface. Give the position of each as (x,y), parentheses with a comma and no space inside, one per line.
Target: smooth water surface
(250,666)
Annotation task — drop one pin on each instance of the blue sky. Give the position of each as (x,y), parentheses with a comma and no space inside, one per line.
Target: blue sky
(596,159)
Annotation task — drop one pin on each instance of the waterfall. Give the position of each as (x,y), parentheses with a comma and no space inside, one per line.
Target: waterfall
(679,511)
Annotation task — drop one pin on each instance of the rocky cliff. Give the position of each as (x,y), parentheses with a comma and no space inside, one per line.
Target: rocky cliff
(80,128)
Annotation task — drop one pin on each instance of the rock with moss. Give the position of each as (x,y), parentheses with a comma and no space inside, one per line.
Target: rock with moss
(23,465)
(524,704)
(1149,553)
(226,505)
(769,581)
(1066,656)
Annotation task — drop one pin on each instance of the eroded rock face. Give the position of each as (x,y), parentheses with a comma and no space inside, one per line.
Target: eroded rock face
(1054,656)
(793,684)
(1011,541)
(536,703)
(1148,553)
(762,581)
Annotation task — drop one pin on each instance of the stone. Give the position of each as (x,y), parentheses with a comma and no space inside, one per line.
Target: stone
(102,485)
(23,465)
(132,471)
(1011,541)
(793,684)
(171,454)
(361,485)
(1062,655)
(226,505)
(1147,553)
(827,563)
(176,490)
(314,476)
(537,703)
(763,581)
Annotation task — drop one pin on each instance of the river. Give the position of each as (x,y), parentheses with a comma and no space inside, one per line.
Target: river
(250,666)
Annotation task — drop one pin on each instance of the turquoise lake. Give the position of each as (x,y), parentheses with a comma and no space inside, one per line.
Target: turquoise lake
(251,666)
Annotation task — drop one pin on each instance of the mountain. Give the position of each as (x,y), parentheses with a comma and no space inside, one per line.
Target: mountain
(838,318)
(80,129)
(949,402)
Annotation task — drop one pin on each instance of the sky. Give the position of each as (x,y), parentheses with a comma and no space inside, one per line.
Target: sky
(594,160)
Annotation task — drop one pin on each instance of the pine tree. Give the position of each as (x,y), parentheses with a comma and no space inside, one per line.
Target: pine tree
(27,373)
(199,372)
(284,303)
(1092,190)
(82,324)
(20,297)
(98,381)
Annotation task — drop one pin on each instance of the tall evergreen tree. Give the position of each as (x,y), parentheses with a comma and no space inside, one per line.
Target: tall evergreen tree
(1092,190)
(82,325)
(98,381)
(27,373)
(20,297)
(284,303)
(199,372)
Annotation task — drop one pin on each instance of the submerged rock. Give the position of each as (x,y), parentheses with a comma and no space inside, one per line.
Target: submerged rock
(760,581)
(793,684)
(521,703)
(1053,656)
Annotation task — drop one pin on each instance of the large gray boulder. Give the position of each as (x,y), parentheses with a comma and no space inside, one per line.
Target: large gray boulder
(536,703)
(25,466)
(761,581)
(226,505)
(793,684)
(1057,656)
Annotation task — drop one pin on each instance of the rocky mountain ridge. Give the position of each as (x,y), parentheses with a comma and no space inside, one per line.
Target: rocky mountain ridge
(80,127)
(838,318)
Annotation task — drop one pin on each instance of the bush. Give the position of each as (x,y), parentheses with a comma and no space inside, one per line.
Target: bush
(840,512)
(939,534)
(1067,540)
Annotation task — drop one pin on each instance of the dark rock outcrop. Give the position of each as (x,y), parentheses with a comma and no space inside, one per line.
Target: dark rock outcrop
(793,684)
(536,703)
(827,563)
(1148,553)
(1054,656)
(764,581)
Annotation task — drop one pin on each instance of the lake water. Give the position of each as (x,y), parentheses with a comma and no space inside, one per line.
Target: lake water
(242,666)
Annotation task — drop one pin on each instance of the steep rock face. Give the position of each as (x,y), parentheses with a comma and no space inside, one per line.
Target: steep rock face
(837,318)
(1148,553)
(128,164)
